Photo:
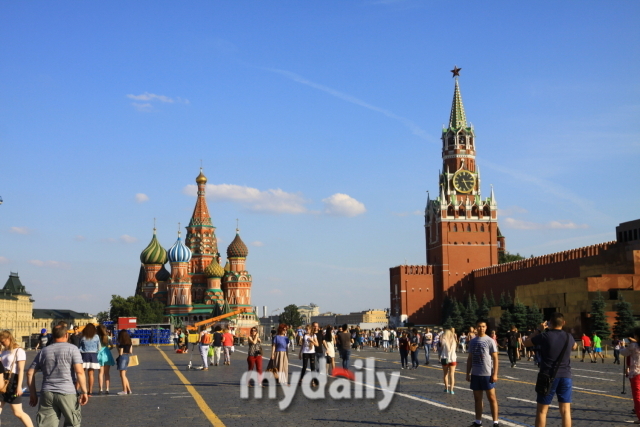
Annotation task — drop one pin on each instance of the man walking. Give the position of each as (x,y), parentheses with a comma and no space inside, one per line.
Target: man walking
(586,347)
(427,340)
(482,372)
(217,345)
(552,346)
(344,342)
(58,394)
(597,348)
(513,338)
(385,339)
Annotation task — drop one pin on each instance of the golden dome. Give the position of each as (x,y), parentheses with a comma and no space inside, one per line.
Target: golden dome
(201,178)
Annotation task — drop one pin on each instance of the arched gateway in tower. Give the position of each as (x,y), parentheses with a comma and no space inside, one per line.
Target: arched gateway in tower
(197,287)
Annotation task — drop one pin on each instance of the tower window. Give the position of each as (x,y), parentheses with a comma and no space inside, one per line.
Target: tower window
(482,228)
(468,227)
(455,227)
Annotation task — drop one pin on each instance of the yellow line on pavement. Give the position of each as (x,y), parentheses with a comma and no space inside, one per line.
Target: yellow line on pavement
(213,418)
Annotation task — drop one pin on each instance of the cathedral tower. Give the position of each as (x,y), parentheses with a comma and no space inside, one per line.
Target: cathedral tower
(201,239)
(236,283)
(461,227)
(179,285)
(152,272)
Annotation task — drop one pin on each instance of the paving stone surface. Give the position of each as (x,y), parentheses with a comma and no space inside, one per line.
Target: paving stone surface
(161,399)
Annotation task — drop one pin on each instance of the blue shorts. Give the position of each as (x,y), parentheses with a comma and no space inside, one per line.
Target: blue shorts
(481,383)
(123,362)
(598,350)
(562,387)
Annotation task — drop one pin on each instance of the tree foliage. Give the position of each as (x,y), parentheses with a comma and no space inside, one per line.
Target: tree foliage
(291,316)
(519,316)
(625,321)
(505,301)
(508,257)
(457,320)
(483,309)
(492,299)
(534,317)
(103,316)
(470,311)
(138,307)
(505,323)
(599,324)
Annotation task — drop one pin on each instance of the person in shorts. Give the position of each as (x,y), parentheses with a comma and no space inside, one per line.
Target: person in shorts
(482,372)
(13,359)
(551,344)
(586,347)
(597,348)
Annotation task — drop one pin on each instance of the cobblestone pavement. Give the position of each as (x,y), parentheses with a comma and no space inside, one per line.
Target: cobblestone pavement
(160,398)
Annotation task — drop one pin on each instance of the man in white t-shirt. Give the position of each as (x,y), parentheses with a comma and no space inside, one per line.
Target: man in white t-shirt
(427,341)
(482,372)
(385,339)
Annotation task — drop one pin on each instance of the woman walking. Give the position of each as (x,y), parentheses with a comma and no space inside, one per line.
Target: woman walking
(13,361)
(308,351)
(105,359)
(89,346)
(279,363)
(254,357)
(329,345)
(227,344)
(404,350)
(448,360)
(125,349)
(414,344)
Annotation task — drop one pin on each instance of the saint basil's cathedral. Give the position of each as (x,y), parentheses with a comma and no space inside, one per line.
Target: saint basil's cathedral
(197,287)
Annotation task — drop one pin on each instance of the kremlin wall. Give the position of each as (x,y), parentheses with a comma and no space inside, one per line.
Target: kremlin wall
(463,241)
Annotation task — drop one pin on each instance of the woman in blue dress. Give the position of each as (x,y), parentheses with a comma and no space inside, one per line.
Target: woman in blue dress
(105,359)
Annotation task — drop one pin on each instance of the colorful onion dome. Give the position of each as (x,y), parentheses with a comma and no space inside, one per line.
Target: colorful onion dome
(201,179)
(179,252)
(154,253)
(163,275)
(237,248)
(214,269)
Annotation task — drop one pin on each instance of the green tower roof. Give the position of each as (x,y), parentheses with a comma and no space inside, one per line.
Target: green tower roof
(457,119)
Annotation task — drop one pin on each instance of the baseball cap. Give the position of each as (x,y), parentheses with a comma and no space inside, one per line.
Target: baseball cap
(43,331)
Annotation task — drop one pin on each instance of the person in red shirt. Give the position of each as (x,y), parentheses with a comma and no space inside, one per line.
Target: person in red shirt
(586,347)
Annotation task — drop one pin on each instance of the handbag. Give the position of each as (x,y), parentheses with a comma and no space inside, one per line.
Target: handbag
(133,360)
(7,378)
(413,346)
(544,381)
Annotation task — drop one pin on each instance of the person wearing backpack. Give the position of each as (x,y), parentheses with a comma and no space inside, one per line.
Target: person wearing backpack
(392,340)
(555,368)
(205,342)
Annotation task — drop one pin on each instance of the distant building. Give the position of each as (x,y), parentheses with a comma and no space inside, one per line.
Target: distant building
(324,319)
(308,311)
(18,315)
(370,317)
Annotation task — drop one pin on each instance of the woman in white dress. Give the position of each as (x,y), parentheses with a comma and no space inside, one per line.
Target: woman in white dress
(329,349)
(13,360)
(448,359)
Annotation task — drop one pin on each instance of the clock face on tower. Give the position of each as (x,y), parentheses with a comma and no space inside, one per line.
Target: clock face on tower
(464,181)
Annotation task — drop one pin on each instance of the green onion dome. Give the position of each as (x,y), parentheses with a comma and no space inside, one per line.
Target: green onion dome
(214,269)
(154,253)
(237,248)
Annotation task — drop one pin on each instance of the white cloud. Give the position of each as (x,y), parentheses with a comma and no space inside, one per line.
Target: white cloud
(270,201)
(150,97)
(142,107)
(4,260)
(343,205)
(257,243)
(49,264)
(141,198)
(125,238)
(552,225)
(80,238)
(20,230)
(415,129)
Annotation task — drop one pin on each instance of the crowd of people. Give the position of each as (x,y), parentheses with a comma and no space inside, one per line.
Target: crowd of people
(68,361)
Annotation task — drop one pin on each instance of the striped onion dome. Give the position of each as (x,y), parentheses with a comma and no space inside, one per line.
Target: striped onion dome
(179,252)
(154,253)
(237,248)
(214,269)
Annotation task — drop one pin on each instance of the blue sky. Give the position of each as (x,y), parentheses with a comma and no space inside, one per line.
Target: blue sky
(317,124)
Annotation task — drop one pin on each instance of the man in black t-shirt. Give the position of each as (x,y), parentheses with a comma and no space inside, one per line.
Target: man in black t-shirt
(551,344)
(344,342)
(217,345)
(513,338)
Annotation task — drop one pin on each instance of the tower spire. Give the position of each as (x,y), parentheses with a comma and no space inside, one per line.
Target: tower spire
(457,119)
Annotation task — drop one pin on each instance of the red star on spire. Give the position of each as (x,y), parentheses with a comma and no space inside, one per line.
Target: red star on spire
(456,71)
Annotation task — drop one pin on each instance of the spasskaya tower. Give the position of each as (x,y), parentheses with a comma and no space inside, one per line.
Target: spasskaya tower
(461,227)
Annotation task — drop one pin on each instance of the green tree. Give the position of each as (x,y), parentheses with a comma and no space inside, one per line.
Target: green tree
(102,316)
(483,309)
(508,257)
(492,300)
(470,313)
(519,315)
(291,316)
(138,307)
(505,323)
(457,320)
(534,317)
(447,307)
(599,324)
(505,301)
(625,322)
